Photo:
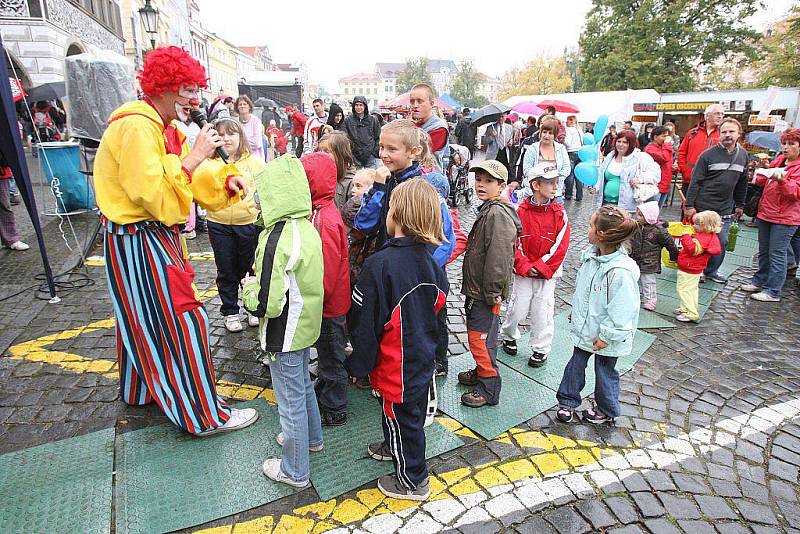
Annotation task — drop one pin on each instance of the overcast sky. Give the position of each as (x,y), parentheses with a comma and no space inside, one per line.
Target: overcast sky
(352,36)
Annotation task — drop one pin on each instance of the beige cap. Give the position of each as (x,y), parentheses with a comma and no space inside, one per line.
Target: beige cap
(495,168)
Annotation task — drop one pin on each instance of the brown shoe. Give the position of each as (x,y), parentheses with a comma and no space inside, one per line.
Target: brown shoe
(468,378)
(473,399)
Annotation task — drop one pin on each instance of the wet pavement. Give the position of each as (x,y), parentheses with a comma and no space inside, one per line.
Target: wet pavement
(708,440)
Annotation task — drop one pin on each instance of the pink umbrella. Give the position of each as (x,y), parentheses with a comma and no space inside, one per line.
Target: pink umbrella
(560,106)
(529,108)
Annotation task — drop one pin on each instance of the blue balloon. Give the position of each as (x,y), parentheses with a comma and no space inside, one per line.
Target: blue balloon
(587,173)
(600,128)
(588,153)
(588,139)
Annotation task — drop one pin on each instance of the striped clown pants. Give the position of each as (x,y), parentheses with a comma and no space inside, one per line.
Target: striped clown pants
(162,329)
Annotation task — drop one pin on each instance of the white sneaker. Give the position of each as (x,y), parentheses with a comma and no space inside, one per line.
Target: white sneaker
(233,324)
(272,468)
(19,245)
(764,297)
(750,288)
(279,439)
(190,235)
(252,320)
(239,419)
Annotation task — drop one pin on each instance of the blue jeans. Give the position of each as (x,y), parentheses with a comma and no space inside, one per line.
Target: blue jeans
(298,411)
(662,199)
(606,382)
(773,242)
(794,249)
(716,261)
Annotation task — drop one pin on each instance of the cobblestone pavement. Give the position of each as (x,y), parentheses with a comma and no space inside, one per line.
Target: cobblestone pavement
(708,440)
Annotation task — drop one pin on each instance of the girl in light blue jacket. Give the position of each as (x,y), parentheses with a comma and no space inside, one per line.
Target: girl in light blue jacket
(605,314)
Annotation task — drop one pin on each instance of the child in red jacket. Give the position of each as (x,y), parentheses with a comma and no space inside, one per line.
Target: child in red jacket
(540,251)
(696,250)
(331,386)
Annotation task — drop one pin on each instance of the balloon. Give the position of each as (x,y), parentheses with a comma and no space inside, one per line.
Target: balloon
(587,173)
(588,139)
(588,153)
(600,128)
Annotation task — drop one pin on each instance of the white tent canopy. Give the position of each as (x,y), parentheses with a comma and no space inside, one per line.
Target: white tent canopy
(618,105)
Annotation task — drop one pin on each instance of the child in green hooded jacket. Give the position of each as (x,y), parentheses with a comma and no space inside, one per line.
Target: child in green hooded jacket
(286,295)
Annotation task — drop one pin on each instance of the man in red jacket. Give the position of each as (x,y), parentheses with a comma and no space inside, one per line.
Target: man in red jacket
(540,251)
(662,153)
(331,387)
(298,120)
(698,140)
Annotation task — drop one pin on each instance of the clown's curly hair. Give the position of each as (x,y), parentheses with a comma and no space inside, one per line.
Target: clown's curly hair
(168,68)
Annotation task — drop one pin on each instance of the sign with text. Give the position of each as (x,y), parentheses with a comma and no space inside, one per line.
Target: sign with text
(698,107)
(770,120)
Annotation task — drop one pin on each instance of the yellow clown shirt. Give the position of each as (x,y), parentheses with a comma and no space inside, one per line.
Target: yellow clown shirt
(138,174)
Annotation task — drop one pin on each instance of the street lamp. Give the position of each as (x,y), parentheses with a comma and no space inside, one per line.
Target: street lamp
(149,16)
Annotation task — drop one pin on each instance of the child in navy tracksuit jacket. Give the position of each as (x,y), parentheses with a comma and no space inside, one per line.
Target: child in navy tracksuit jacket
(393,322)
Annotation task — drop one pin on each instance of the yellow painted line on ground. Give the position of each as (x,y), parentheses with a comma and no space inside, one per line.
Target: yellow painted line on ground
(560,455)
(37,350)
(99,261)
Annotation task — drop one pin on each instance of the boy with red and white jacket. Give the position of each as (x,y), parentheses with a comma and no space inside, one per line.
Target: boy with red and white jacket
(540,251)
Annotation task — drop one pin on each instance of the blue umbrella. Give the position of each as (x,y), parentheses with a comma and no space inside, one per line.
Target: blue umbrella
(768,140)
(449,100)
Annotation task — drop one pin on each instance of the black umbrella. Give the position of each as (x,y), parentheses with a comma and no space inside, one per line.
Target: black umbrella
(265,103)
(47,91)
(488,114)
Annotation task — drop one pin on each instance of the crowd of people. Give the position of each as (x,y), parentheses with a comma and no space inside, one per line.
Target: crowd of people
(341,246)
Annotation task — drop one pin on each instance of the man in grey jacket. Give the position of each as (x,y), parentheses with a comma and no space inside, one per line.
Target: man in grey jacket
(719,183)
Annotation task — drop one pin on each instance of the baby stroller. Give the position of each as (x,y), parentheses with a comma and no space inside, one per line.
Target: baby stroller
(457,172)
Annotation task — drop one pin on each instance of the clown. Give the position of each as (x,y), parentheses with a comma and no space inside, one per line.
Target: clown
(146,179)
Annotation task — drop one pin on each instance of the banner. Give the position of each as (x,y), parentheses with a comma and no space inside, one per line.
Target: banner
(769,101)
(17,92)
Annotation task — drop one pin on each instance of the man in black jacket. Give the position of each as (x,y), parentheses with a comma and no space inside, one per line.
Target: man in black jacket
(465,133)
(364,133)
(719,183)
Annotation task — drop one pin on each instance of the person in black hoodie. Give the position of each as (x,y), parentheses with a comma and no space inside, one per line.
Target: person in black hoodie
(465,133)
(364,133)
(336,117)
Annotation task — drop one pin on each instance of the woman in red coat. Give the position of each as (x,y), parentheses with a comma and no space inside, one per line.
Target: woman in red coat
(778,218)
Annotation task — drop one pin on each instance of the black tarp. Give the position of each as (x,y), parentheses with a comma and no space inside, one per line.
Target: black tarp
(283,95)
(11,147)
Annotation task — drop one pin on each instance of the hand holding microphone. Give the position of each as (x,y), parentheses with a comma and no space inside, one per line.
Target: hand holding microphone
(199,118)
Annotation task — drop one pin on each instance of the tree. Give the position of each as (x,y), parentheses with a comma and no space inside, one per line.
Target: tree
(662,44)
(780,63)
(466,85)
(540,76)
(416,71)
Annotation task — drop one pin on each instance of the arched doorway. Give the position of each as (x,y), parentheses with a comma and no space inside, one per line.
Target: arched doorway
(75,49)
(15,68)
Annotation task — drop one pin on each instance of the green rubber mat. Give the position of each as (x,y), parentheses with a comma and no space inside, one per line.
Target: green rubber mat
(647,319)
(550,374)
(672,275)
(62,486)
(668,288)
(169,480)
(344,465)
(520,399)
(667,304)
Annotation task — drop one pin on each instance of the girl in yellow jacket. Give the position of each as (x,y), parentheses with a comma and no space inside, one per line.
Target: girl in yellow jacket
(232,230)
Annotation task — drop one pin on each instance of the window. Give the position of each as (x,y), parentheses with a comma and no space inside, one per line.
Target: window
(347,90)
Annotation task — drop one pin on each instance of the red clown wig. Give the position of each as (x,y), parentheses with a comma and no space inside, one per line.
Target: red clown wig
(168,68)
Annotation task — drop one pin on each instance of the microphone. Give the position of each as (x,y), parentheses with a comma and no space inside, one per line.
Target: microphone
(199,118)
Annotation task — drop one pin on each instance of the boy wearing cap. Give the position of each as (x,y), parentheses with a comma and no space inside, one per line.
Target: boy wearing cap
(487,272)
(538,257)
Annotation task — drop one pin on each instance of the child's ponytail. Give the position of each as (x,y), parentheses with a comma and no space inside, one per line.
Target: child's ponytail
(614,225)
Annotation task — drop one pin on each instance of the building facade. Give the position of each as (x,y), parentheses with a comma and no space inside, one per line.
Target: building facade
(39,34)
(366,84)
(222,66)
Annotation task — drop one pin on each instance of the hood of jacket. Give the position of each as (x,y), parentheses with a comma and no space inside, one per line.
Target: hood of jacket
(283,190)
(362,100)
(137,107)
(529,205)
(506,206)
(616,260)
(320,170)
(440,183)
(332,111)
